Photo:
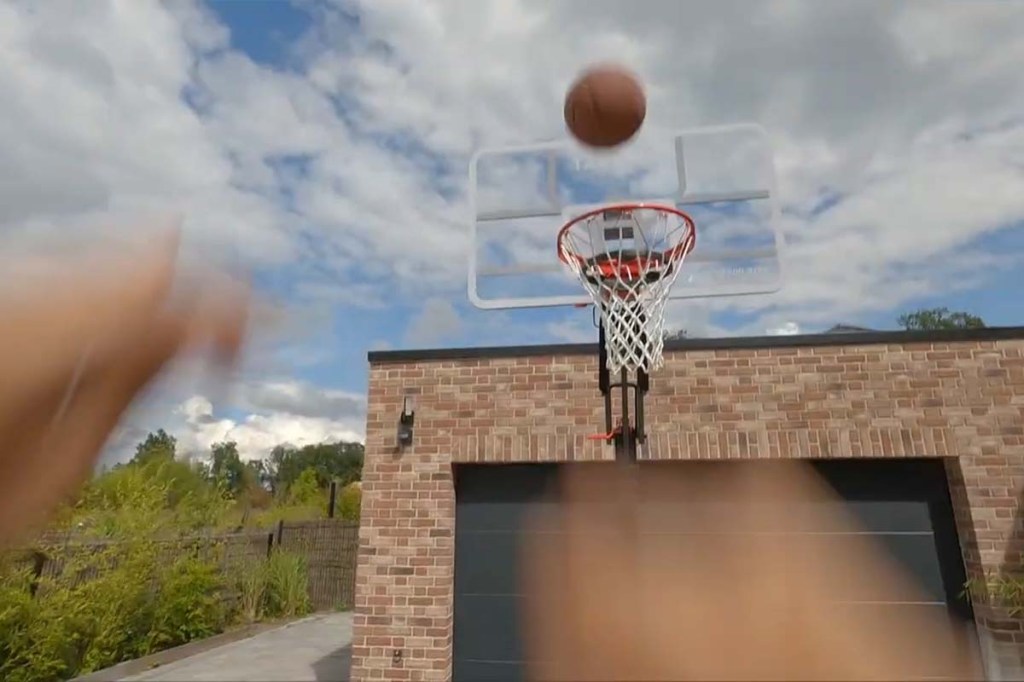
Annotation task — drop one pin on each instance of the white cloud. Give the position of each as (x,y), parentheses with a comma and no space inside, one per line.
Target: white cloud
(257,414)
(436,322)
(787,329)
(867,100)
(299,399)
(574,329)
(256,434)
(93,121)
(351,165)
(695,317)
(345,173)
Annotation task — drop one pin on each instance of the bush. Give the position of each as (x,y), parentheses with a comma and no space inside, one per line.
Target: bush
(114,601)
(94,613)
(20,644)
(350,502)
(287,585)
(38,642)
(127,600)
(189,606)
(251,583)
(277,587)
(1003,591)
(126,588)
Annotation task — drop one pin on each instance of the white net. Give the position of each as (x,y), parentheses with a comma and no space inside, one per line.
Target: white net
(627,258)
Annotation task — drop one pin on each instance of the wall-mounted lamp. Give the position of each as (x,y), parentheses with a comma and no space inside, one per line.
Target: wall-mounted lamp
(405,422)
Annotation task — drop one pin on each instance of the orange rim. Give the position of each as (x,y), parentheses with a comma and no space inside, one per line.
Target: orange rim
(631,267)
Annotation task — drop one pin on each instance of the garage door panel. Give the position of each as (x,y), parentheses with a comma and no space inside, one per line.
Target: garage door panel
(519,482)
(489,671)
(870,516)
(932,661)
(497,517)
(477,639)
(916,554)
(913,554)
(487,563)
(901,507)
(886,516)
(542,514)
(864,479)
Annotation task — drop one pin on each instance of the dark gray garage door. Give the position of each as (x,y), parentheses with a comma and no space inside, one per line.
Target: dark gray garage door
(905,503)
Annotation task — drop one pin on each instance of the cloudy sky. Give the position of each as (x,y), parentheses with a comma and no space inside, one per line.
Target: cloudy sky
(324,144)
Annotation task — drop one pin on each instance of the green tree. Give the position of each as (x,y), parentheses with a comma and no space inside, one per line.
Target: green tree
(185,498)
(273,466)
(940,318)
(342,462)
(159,446)
(190,497)
(226,468)
(306,489)
(258,470)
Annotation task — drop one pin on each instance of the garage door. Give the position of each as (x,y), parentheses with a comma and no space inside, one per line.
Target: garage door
(905,504)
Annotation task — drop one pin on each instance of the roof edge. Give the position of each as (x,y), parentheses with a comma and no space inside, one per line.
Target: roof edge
(726,343)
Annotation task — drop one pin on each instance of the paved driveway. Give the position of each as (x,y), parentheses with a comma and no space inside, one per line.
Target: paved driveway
(314,649)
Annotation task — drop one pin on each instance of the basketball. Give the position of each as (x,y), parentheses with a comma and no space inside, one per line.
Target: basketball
(605,106)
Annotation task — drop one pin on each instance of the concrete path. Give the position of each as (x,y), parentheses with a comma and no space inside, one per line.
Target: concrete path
(315,649)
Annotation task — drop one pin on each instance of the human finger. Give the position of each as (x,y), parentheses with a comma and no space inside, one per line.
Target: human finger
(53,316)
(116,373)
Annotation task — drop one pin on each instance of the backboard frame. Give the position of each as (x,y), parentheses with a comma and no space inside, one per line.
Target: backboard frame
(683,199)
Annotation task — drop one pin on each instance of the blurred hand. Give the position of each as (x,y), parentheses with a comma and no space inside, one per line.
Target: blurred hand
(81,339)
(726,586)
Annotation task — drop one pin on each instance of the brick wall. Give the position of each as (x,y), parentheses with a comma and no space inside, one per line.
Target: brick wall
(958,396)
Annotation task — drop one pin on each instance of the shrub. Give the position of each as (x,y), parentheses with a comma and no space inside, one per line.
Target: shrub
(189,605)
(92,614)
(1005,591)
(126,588)
(101,607)
(287,585)
(39,641)
(277,587)
(350,502)
(114,601)
(19,642)
(125,600)
(251,584)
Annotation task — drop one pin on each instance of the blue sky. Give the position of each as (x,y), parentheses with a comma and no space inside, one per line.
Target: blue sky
(326,143)
(266,31)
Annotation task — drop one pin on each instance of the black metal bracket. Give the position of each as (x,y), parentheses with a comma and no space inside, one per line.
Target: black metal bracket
(406,421)
(628,436)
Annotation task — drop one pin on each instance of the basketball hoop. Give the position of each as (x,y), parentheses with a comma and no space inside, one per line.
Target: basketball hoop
(627,256)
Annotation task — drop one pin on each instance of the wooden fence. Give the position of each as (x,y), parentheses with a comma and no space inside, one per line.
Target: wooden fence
(329,547)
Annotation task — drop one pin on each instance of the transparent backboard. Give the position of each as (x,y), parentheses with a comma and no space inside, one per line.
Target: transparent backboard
(723,177)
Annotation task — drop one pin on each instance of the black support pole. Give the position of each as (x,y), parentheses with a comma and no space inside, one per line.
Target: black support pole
(627,434)
(642,384)
(603,380)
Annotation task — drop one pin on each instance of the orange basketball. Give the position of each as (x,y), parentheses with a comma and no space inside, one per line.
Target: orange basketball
(605,106)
